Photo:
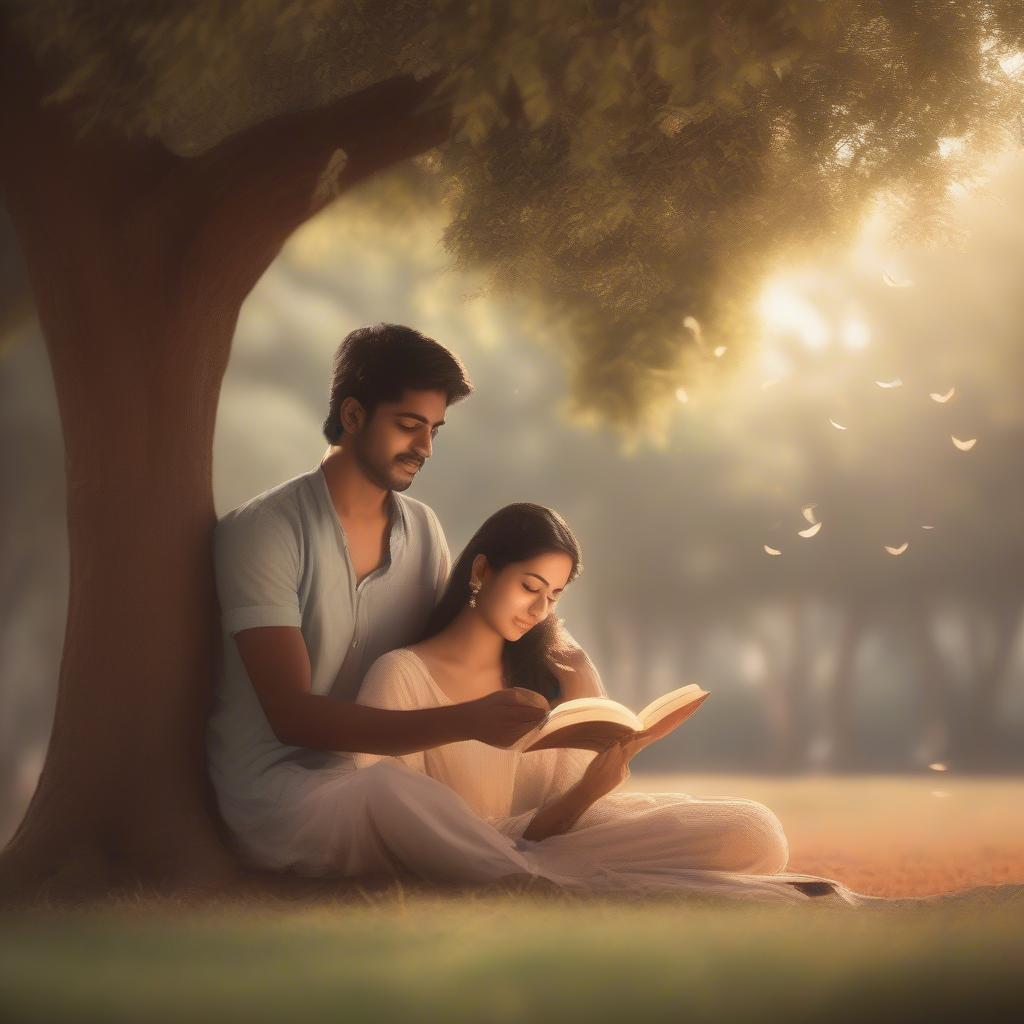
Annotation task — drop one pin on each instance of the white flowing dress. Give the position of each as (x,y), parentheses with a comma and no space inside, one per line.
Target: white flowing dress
(457,813)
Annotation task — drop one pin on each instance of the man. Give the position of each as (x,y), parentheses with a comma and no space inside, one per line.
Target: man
(316,579)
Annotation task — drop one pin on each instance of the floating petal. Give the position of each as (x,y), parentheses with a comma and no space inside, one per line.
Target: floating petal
(937,766)
(810,531)
(927,527)
(964,446)
(936,397)
(719,351)
(894,383)
(772,551)
(691,323)
(893,283)
(808,512)
(681,395)
(898,551)
(838,426)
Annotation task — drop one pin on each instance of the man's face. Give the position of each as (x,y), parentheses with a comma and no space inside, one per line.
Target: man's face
(398,438)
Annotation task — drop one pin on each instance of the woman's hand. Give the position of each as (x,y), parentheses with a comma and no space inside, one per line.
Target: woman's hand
(611,767)
(606,771)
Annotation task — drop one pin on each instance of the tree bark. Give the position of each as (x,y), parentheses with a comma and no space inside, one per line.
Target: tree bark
(137,367)
(129,251)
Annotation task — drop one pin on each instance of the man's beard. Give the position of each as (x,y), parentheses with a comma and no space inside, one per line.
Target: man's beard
(388,476)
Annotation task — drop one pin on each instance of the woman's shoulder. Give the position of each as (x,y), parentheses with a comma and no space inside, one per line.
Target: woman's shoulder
(393,680)
(402,661)
(398,656)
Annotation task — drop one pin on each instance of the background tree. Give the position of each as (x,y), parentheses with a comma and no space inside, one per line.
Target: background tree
(627,165)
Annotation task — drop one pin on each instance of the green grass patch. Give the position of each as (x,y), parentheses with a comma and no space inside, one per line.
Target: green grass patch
(413,956)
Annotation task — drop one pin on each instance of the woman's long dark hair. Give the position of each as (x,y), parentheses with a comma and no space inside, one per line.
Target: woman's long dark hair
(515,533)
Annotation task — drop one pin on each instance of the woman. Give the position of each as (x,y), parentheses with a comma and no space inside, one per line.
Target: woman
(467,811)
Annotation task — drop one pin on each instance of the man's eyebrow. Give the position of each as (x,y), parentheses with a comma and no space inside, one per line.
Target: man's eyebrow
(422,419)
(544,581)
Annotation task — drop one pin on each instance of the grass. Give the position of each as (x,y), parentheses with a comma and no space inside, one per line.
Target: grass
(411,953)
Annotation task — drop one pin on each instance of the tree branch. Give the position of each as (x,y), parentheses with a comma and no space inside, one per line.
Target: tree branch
(253,190)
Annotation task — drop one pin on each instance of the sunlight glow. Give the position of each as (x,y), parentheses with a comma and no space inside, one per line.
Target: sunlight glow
(950,144)
(856,333)
(1013,64)
(774,363)
(786,312)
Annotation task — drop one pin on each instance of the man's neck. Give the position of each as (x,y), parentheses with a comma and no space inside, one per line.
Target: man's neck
(353,494)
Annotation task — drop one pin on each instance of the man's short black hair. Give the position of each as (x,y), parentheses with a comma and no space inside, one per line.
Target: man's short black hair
(376,364)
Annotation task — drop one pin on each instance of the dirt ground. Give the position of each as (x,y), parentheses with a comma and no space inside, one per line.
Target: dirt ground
(885,835)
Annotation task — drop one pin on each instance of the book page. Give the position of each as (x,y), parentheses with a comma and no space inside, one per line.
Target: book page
(669,702)
(592,709)
(670,714)
(583,735)
(569,717)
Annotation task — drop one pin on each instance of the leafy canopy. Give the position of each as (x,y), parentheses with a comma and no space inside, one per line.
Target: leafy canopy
(628,163)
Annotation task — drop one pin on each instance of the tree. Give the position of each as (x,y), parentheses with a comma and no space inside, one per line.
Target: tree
(628,164)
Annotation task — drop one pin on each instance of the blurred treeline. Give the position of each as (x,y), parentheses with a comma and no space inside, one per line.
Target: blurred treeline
(833,655)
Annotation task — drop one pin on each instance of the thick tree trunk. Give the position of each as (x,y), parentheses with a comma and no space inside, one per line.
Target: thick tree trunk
(139,262)
(138,347)
(123,797)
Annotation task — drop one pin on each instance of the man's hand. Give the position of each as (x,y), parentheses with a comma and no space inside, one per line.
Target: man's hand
(505,716)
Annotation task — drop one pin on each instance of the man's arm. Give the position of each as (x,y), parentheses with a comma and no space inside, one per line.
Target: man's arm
(277,662)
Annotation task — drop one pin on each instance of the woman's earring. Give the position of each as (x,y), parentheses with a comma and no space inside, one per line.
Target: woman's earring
(475,588)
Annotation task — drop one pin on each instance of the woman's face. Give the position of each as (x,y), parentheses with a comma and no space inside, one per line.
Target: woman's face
(522,594)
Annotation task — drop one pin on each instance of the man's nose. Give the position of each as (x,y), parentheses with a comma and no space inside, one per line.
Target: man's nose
(423,447)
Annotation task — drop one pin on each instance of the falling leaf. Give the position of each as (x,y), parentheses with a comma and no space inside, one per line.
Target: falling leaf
(936,397)
(681,395)
(810,531)
(964,446)
(691,323)
(898,551)
(937,766)
(719,351)
(772,551)
(893,283)
(894,383)
(927,527)
(838,426)
(808,512)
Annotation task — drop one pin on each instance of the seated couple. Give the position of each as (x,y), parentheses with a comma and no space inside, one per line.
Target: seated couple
(371,697)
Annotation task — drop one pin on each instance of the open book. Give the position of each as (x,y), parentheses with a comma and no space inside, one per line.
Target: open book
(593,723)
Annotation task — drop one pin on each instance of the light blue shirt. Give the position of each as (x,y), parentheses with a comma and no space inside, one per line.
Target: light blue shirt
(282,559)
